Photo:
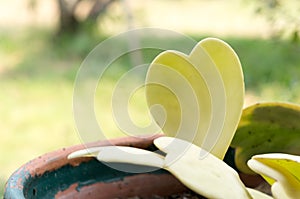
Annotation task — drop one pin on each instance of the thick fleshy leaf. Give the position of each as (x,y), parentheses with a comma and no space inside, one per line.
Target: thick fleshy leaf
(206,175)
(201,93)
(283,169)
(267,128)
(121,154)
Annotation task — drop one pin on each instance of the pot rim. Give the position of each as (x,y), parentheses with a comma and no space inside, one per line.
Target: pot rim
(14,187)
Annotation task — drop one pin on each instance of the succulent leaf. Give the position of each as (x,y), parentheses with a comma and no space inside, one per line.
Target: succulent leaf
(202,94)
(207,175)
(121,154)
(283,169)
(266,128)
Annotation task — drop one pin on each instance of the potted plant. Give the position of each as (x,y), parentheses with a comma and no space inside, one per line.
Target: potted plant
(191,154)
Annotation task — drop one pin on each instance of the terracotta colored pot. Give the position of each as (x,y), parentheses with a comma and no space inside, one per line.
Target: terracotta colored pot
(54,176)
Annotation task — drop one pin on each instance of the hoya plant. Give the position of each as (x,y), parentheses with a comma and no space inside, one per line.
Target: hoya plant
(202,97)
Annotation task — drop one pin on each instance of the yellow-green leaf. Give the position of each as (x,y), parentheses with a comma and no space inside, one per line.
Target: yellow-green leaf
(202,94)
(267,128)
(283,169)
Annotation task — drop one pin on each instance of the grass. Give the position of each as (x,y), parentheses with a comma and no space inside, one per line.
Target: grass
(271,68)
(37,79)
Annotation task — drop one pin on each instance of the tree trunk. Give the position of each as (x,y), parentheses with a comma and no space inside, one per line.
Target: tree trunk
(68,22)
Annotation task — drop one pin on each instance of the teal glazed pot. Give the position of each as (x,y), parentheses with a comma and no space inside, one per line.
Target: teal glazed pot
(54,176)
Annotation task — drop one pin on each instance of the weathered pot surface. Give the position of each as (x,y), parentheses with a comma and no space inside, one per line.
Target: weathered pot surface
(54,176)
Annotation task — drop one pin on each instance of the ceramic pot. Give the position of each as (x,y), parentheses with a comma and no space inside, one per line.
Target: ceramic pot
(54,176)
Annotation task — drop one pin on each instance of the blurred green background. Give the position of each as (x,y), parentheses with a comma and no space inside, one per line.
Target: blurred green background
(43,43)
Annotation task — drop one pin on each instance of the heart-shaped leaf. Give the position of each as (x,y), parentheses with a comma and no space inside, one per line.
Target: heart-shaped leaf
(201,93)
